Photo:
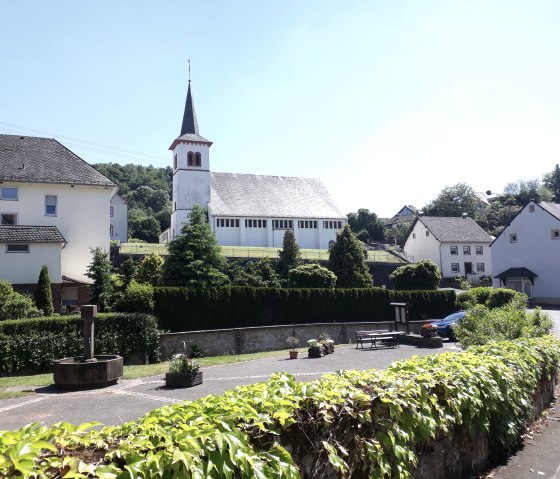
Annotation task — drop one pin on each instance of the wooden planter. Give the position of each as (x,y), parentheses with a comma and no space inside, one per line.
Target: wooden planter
(315,352)
(293,354)
(183,380)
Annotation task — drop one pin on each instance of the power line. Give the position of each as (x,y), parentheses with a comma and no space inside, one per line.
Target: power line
(87,145)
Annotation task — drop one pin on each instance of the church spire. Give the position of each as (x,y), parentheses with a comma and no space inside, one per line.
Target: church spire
(190,125)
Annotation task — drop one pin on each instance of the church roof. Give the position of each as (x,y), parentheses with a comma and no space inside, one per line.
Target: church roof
(264,196)
(44,160)
(189,127)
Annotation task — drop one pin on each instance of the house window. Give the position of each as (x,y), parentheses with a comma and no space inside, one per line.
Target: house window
(17,248)
(190,158)
(413,235)
(8,219)
(555,234)
(427,233)
(455,267)
(531,208)
(466,250)
(454,250)
(480,267)
(513,238)
(8,193)
(50,205)
(479,249)
(111,211)
(111,230)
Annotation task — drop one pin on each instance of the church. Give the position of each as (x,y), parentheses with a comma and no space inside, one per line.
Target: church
(245,209)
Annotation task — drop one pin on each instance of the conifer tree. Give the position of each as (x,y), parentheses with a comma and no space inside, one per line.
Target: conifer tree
(346,261)
(289,255)
(149,270)
(99,270)
(43,296)
(195,257)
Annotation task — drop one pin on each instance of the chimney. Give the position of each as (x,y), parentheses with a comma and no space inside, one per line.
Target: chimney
(464,215)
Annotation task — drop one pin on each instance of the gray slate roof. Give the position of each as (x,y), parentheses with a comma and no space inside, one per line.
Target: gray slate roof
(552,208)
(451,229)
(30,234)
(44,160)
(263,196)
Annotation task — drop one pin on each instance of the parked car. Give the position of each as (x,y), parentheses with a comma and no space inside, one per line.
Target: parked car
(445,326)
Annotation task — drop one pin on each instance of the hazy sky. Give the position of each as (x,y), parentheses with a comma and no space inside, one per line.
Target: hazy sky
(386,101)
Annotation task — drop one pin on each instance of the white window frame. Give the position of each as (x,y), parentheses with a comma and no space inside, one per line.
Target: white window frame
(3,190)
(480,267)
(466,250)
(47,205)
(454,250)
(456,270)
(10,246)
(513,238)
(479,250)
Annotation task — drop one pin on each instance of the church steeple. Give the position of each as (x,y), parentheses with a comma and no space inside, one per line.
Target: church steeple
(190,125)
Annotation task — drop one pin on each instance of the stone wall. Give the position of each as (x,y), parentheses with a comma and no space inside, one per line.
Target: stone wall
(265,338)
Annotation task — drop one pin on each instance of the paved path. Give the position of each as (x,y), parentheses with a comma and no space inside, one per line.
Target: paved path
(130,399)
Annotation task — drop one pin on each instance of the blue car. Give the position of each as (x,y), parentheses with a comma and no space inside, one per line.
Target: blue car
(445,326)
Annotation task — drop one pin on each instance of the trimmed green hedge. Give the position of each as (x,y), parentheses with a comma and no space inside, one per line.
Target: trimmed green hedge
(182,309)
(355,424)
(33,344)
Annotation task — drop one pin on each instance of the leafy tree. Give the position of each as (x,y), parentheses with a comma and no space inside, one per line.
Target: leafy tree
(145,228)
(149,269)
(128,270)
(137,298)
(264,273)
(43,296)
(552,182)
(289,255)
(423,275)
(19,306)
(6,290)
(526,190)
(397,234)
(366,226)
(498,214)
(346,261)
(454,201)
(194,257)
(311,276)
(99,270)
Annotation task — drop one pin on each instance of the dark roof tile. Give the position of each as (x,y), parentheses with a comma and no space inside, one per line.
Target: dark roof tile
(30,234)
(452,229)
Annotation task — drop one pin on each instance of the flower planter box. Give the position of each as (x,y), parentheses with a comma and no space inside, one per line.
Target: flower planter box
(430,342)
(328,348)
(315,352)
(183,380)
(293,354)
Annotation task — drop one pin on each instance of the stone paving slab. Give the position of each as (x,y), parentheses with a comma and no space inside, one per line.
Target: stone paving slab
(131,399)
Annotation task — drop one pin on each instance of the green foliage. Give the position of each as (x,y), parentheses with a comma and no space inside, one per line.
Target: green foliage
(552,182)
(499,214)
(137,298)
(346,261)
(43,296)
(18,306)
(511,321)
(311,276)
(290,254)
(143,227)
(186,309)
(397,234)
(526,190)
(31,345)
(181,363)
(127,270)
(366,225)
(257,274)
(99,270)
(195,257)
(424,274)
(360,424)
(489,297)
(454,201)
(6,290)
(150,269)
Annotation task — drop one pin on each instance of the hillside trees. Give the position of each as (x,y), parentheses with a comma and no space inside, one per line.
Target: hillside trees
(551,181)
(453,201)
(366,225)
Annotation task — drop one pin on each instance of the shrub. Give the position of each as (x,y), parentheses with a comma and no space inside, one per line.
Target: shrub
(137,298)
(311,276)
(374,423)
(33,344)
(489,297)
(512,321)
(43,297)
(424,274)
(18,306)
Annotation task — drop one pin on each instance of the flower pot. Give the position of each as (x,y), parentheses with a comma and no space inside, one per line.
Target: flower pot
(293,354)
(315,352)
(328,348)
(183,380)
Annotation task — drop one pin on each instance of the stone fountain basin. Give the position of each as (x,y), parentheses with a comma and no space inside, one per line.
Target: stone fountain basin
(76,373)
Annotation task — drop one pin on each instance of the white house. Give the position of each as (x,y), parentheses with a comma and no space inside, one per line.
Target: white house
(53,209)
(526,255)
(118,219)
(244,209)
(459,246)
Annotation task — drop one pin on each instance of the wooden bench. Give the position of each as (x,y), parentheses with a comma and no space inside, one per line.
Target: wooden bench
(372,337)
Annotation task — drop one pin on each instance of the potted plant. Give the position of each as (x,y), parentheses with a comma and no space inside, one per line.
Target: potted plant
(429,336)
(315,349)
(326,343)
(293,341)
(428,330)
(184,372)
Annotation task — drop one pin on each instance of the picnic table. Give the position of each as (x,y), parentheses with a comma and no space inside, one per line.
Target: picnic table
(378,335)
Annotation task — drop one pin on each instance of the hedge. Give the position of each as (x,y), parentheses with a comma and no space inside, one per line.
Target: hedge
(359,424)
(182,309)
(33,344)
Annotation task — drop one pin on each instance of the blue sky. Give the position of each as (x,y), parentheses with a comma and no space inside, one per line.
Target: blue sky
(387,102)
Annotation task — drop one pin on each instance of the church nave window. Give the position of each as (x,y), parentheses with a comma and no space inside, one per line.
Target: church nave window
(282,224)
(227,223)
(307,224)
(332,225)
(250,223)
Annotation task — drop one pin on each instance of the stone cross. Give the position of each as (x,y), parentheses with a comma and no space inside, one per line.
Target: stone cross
(89,313)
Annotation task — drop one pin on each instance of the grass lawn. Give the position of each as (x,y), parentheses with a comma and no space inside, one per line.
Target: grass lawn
(135,372)
(14,394)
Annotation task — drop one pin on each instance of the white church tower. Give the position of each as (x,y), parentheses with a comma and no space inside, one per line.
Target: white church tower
(191,169)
